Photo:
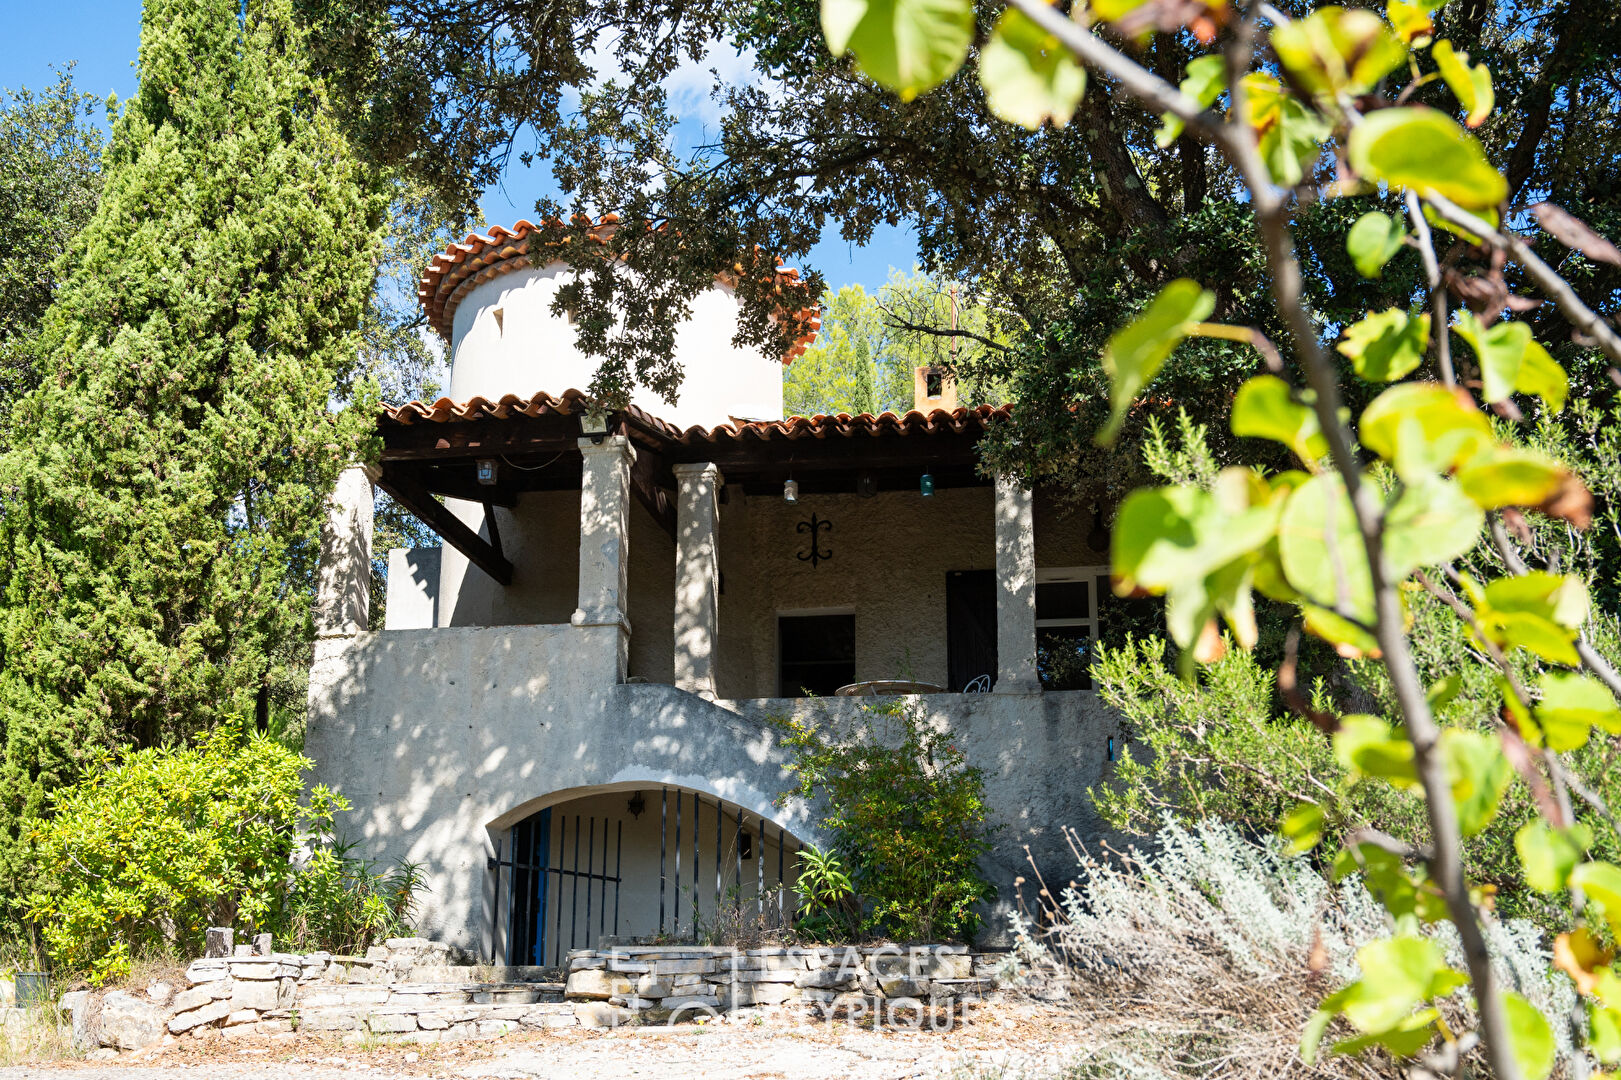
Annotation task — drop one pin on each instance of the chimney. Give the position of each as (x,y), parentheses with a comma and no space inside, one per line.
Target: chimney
(933,388)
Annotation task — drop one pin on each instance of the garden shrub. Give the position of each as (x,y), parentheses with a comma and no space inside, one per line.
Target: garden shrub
(907,815)
(151,848)
(1203,955)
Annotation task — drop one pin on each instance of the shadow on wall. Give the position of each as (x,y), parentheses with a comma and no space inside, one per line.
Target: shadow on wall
(438,737)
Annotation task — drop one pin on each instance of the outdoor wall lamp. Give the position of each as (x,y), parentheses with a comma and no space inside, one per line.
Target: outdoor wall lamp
(488,471)
(636,805)
(790,491)
(925,486)
(866,485)
(595,424)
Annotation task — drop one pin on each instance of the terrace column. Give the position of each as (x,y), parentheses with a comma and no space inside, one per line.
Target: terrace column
(697,576)
(605,544)
(1015,589)
(343,585)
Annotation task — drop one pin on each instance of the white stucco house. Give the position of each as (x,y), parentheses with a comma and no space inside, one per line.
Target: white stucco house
(563,718)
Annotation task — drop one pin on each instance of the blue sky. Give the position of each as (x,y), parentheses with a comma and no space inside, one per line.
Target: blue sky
(103,35)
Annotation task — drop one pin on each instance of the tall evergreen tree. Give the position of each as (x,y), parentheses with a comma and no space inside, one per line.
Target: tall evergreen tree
(160,501)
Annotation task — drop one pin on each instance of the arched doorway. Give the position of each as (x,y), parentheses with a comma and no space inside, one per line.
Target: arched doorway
(654,864)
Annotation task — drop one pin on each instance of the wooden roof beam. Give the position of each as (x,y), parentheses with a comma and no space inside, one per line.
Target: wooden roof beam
(415,498)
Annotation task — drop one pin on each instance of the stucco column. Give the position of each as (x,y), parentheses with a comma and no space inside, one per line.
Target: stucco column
(343,585)
(1015,589)
(697,576)
(605,541)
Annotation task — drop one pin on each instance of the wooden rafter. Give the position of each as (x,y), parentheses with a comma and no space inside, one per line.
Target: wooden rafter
(416,498)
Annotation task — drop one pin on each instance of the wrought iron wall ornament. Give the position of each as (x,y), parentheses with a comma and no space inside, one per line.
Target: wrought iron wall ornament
(815,553)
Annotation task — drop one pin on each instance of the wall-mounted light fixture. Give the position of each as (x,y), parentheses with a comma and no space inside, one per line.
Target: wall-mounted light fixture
(595,425)
(636,805)
(790,491)
(866,485)
(489,471)
(925,485)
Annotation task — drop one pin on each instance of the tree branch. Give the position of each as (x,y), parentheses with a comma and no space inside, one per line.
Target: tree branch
(1584,318)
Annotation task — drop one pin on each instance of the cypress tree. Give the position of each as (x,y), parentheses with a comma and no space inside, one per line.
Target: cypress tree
(161,497)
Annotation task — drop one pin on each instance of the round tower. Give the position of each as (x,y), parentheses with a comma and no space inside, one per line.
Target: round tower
(491,300)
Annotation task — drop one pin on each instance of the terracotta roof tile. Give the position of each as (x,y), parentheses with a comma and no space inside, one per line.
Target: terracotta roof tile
(464,265)
(913,422)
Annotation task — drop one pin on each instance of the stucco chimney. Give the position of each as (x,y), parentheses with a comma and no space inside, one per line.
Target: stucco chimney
(933,388)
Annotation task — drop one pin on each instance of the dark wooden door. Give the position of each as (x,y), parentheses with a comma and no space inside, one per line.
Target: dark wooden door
(970,627)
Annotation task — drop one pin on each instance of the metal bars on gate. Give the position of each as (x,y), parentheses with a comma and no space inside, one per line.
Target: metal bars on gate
(524,863)
(756,832)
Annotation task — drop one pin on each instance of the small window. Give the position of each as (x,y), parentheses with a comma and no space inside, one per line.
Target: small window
(1066,625)
(933,383)
(816,654)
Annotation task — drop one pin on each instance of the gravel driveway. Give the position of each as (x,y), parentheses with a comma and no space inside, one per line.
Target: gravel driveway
(1001,1042)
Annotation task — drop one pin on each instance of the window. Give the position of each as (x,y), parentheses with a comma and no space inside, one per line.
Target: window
(816,654)
(1067,625)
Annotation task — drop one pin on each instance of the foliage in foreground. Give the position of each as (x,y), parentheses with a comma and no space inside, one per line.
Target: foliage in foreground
(1232,943)
(148,851)
(1376,509)
(907,815)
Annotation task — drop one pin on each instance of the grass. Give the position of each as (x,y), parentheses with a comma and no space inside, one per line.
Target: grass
(35,1033)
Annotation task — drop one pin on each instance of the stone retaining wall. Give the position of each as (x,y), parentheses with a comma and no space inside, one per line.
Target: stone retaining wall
(409,989)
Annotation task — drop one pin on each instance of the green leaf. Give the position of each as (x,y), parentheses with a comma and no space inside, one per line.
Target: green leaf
(1510,360)
(1472,86)
(1196,547)
(1386,345)
(1572,704)
(1538,612)
(907,45)
(1136,351)
(1321,549)
(1432,522)
(1029,77)
(1529,1037)
(1397,974)
(1264,408)
(1311,1036)
(1511,476)
(1600,882)
(1404,1039)
(1371,243)
(1303,827)
(1205,80)
(1290,134)
(1424,428)
(1425,150)
(1338,50)
(1548,855)
(1605,1037)
(1364,746)
(1478,774)
(1443,691)
(1412,21)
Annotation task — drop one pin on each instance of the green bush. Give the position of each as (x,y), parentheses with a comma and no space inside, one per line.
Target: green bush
(150,849)
(907,815)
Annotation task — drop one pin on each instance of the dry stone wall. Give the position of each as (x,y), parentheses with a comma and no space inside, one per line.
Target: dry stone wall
(413,990)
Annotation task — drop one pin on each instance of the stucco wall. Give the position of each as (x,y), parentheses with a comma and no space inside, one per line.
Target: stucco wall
(531,349)
(443,738)
(891,555)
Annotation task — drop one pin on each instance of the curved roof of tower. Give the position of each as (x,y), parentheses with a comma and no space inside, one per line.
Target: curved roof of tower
(464,265)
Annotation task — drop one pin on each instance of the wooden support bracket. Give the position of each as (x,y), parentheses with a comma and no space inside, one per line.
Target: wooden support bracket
(480,552)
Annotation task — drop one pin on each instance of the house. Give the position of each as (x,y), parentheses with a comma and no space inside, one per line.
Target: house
(563,720)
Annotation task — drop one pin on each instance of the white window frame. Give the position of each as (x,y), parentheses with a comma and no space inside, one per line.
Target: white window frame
(1097,575)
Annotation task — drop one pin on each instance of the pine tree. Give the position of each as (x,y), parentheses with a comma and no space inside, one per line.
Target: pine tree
(160,502)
